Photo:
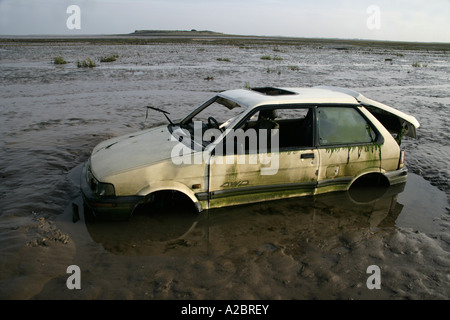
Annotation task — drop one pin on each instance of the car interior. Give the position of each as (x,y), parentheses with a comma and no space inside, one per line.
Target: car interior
(295,126)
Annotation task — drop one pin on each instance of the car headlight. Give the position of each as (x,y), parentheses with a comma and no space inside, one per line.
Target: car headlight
(105,189)
(99,188)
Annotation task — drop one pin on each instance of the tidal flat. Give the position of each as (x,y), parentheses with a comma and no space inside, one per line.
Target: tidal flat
(52,115)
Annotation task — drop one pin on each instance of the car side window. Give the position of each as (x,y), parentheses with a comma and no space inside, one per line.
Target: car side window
(289,128)
(343,125)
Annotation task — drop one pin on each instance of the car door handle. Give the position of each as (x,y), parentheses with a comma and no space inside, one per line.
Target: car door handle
(307,156)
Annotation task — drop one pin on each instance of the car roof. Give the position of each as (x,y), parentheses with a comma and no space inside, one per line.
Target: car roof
(254,97)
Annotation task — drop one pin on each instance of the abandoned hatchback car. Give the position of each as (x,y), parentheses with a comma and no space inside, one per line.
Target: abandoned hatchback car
(250,145)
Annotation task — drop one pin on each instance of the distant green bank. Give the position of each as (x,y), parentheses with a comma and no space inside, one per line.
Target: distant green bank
(145,37)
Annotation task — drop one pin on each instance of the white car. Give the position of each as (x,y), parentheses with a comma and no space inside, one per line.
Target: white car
(250,145)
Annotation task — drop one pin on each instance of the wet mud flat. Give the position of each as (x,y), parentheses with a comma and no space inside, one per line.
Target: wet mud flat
(307,248)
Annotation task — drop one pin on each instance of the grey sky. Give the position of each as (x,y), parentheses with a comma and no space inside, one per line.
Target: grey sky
(412,20)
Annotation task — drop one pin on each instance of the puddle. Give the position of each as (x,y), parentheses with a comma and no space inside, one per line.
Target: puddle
(181,232)
(423,205)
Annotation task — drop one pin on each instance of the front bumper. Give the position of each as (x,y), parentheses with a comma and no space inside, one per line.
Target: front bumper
(116,208)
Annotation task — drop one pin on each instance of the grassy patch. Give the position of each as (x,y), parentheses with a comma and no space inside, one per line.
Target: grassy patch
(267,57)
(86,63)
(294,68)
(59,60)
(273,71)
(110,58)
(418,65)
(224,59)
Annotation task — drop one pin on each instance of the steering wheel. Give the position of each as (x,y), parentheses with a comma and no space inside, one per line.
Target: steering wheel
(212,122)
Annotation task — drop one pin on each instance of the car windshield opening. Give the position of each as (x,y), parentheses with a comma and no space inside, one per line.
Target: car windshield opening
(211,119)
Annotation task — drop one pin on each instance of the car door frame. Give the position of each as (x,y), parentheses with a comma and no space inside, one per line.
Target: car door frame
(332,174)
(242,191)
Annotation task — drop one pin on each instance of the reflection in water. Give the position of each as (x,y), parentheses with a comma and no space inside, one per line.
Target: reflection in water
(178,231)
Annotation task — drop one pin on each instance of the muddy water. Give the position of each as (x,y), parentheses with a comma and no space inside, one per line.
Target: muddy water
(315,247)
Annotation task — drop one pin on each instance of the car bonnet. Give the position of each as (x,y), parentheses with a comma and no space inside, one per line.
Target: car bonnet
(131,151)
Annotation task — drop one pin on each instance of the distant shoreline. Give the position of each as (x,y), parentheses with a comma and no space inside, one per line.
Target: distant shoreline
(210,37)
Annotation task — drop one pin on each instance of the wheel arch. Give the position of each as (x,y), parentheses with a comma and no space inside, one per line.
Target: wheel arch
(148,191)
(372,178)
